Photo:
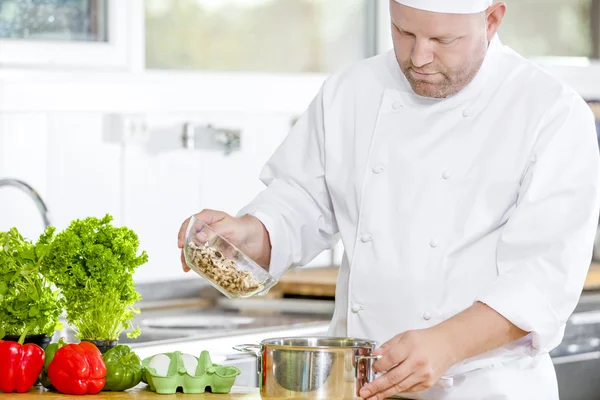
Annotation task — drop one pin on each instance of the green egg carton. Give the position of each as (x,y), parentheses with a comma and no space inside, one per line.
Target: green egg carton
(219,378)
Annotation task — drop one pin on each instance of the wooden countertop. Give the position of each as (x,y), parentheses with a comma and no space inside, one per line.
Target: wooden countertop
(140,392)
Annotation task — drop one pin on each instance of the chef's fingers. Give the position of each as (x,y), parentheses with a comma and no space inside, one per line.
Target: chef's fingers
(387,345)
(209,217)
(183,263)
(392,382)
(419,387)
(393,356)
(412,381)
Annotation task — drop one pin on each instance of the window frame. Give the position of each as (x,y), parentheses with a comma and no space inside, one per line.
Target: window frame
(133,89)
(596,28)
(125,49)
(116,53)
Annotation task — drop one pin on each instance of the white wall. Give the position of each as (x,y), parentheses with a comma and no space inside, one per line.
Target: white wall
(66,156)
(23,154)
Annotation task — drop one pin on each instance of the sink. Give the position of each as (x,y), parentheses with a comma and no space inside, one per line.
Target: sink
(198,322)
(578,376)
(169,325)
(147,336)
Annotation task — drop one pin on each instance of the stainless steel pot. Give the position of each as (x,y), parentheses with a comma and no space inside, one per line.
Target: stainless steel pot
(316,368)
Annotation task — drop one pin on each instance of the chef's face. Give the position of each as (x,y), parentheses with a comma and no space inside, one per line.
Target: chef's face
(441,53)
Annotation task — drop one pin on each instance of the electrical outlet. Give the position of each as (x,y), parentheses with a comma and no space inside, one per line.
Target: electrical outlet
(125,128)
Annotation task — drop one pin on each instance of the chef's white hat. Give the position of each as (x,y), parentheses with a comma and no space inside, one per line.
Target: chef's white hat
(449,6)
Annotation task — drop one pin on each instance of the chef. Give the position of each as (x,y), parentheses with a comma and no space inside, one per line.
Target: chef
(463,181)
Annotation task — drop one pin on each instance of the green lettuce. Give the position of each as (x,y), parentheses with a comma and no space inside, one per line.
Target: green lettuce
(92,262)
(28,303)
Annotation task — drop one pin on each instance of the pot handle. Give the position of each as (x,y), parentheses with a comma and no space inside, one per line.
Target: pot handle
(254,349)
(366,375)
(248,348)
(358,358)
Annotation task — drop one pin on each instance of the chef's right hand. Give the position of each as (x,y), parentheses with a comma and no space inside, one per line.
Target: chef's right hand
(246,233)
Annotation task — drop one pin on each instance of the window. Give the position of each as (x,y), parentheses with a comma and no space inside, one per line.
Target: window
(53,20)
(66,33)
(555,28)
(289,36)
(270,36)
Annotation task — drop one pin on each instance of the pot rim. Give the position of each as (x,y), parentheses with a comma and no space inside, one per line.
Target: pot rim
(358,343)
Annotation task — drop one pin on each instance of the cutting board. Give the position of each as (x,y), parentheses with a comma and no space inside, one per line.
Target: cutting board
(592,281)
(321,282)
(316,282)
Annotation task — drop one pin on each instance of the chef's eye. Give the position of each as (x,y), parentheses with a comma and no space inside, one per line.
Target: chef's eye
(404,33)
(446,41)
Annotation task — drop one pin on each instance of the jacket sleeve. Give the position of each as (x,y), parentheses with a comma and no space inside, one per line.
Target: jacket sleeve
(296,207)
(545,249)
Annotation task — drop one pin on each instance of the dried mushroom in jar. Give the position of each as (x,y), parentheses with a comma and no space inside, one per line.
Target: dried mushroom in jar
(222,271)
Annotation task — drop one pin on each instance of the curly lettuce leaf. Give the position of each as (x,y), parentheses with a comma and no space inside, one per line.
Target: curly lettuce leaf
(27,299)
(92,262)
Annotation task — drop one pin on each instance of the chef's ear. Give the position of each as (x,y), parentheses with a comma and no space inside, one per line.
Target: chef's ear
(494,16)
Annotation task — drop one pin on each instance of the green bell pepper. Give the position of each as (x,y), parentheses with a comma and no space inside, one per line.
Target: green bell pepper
(123,369)
(49,353)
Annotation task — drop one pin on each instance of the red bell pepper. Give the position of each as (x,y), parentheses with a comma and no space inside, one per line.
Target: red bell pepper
(78,369)
(20,365)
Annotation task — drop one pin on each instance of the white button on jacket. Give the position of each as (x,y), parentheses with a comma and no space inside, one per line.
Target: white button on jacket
(356,308)
(517,219)
(378,169)
(366,238)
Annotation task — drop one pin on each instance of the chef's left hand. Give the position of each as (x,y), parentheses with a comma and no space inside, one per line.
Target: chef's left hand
(414,361)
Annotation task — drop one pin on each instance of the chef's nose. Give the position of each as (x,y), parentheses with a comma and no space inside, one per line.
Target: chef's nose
(422,53)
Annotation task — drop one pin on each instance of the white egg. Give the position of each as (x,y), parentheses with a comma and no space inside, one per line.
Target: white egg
(160,363)
(190,363)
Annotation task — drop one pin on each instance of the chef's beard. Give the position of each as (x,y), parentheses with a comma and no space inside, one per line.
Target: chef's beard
(453,80)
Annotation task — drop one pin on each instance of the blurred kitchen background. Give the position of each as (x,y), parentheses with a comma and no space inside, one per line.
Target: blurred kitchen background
(153,110)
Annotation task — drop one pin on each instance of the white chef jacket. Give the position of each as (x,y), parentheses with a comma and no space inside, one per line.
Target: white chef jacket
(489,195)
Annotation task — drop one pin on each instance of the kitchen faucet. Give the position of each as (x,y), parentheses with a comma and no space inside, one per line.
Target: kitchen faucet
(33,194)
